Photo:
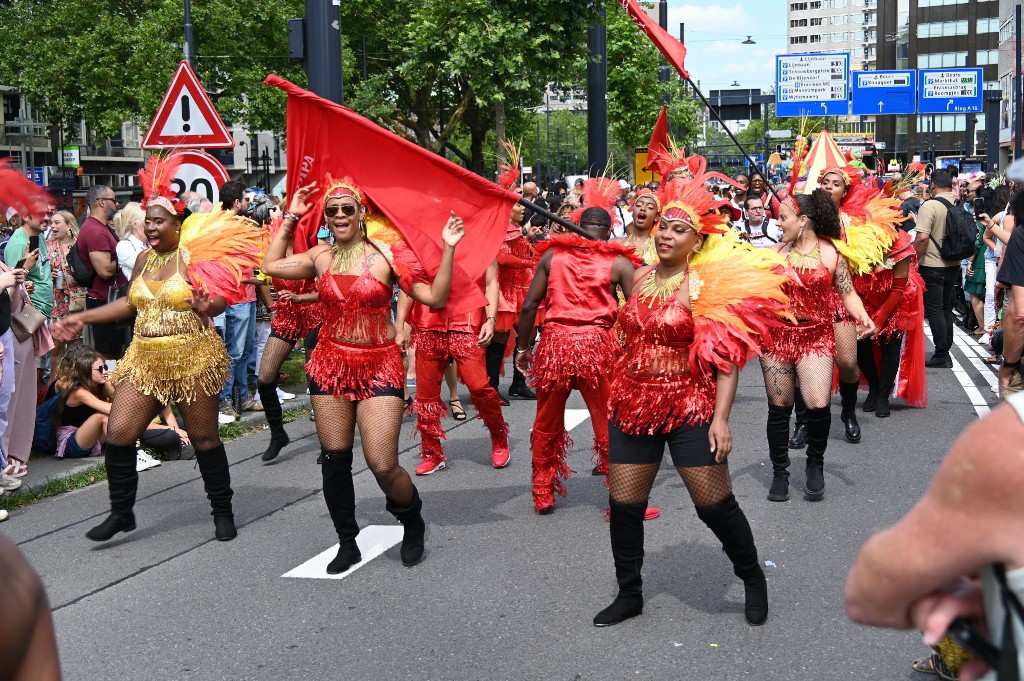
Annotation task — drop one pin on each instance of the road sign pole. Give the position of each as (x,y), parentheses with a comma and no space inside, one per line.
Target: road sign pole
(992,100)
(190,50)
(597,96)
(323,49)
(1018,113)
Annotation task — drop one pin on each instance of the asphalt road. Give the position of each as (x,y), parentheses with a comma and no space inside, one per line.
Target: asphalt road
(503,593)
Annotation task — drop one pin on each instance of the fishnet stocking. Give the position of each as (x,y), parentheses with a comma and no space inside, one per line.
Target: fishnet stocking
(814,372)
(779,380)
(846,352)
(380,424)
(335,421)
(630,483)
(130,413)
(275,353)
(707,485)
(201,424)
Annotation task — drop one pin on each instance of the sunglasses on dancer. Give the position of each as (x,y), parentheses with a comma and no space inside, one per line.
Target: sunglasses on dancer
(348,210)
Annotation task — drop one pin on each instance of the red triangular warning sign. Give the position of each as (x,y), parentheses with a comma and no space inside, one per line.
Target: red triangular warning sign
(186,117)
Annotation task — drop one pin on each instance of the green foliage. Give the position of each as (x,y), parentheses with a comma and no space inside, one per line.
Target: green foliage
(110,61)
(52,487)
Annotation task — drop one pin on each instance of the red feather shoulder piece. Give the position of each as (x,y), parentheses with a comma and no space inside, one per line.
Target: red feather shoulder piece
(576,241)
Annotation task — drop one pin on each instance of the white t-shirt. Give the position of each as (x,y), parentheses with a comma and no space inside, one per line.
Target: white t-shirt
(127,252)
(764,235)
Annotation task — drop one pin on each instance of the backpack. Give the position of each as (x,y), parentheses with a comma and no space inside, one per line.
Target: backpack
(79,271)
(44,440)
(961,233)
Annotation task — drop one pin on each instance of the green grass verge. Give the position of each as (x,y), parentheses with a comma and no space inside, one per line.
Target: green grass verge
(295,368)
(53,487)
(98,473)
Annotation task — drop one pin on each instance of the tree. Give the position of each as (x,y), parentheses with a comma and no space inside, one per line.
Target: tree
(110,61)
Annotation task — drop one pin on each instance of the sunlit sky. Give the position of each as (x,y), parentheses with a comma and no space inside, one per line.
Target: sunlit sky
(714,33)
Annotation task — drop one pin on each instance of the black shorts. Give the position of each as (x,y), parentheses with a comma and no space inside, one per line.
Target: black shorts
(383,391)
(688,445)
(109,339)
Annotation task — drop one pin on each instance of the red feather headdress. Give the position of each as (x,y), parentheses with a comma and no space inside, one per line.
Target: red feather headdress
(598,192)
(508,178)
(20,193)
(690,201)
(346,186)
(156,179)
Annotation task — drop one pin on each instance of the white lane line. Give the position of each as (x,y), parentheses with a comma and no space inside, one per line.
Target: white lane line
(978,401)
(373,540)
(574,417)
(975,353)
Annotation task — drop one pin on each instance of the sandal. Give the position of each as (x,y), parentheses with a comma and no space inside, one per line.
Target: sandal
(16,468)
(991,360)
(459,415)
(926,665)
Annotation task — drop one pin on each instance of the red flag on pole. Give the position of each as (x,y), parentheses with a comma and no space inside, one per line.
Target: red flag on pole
(673,50)
(416,190)
(659,143)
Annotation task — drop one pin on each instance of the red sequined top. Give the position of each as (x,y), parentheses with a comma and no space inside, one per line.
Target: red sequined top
(654,390)
(815,299)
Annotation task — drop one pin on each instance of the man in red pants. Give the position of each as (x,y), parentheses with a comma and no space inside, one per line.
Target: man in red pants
(437,340)
(576,280)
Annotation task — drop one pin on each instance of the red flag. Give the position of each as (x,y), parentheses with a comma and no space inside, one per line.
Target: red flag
(659,143)
(673,50)
(415,189)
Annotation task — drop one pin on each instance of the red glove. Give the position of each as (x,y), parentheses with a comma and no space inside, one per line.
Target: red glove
(881,316)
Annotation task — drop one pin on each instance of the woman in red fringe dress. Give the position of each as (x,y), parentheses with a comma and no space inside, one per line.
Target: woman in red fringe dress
(356,376)
(810,228)
(691,323)
(892,295)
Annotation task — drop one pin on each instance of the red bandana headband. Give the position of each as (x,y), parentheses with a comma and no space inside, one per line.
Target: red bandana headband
(346,186)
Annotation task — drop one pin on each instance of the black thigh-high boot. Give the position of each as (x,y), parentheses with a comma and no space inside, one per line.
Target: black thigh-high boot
(272,409)
(123,482)
(727,521)
(892,348)
(819,421)
(626,527)
(415,528)
(340,495)
(868,369)
(799,439)
(778,451)
(213,466)
(848,396)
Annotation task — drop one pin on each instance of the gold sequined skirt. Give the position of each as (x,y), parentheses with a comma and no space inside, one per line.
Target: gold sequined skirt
(176,368)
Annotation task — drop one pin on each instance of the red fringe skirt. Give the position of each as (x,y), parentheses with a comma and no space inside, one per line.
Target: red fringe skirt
(793,343)
(572,355)
(352,370)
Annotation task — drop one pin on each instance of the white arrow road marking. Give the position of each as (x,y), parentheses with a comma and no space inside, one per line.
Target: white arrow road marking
(373,541)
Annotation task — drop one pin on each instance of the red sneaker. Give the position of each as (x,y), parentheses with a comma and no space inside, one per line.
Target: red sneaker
(651,513)
(500,456)
(430,465)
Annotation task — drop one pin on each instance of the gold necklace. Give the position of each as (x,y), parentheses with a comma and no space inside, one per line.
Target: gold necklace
(651,289)
(346,257)
(804,261)
(157,260)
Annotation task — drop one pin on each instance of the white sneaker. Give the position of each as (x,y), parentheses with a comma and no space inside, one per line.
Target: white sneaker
(8,484)
(224,419)
(984,339)
(283,396)
(3,515)
(143,461)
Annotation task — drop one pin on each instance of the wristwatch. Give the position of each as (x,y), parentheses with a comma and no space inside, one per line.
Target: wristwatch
(1009,365)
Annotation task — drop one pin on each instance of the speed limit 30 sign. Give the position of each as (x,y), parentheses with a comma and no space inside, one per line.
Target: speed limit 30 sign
(201,173)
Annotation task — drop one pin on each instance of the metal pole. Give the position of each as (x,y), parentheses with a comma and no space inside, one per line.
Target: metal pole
(554,218)
(992,99)
(189,43)
(365,69)
(767,140)
(323,49)
(547,135)
(536,169)
(597,96)
(1018,114)
(558,150)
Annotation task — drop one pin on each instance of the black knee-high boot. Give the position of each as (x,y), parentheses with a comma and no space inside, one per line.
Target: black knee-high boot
(340,495)
(272,409)
(213,466)
(494,359)
(892,347)
(868,369)
(778,451)
(727,521)
(799,439)
(519,387)
(819,421)
(626,527)
(848,395)
(123,482)
(415,528)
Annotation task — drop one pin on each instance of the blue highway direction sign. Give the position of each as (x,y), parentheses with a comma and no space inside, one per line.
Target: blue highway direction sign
(812,84)
(943,91)
(878,93)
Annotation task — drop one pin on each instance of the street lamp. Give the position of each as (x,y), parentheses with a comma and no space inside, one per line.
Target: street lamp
(735,83)
(748,41)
